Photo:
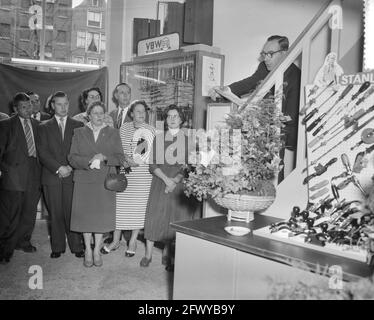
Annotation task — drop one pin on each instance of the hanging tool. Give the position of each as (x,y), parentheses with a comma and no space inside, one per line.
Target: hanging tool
(319,193)
(341,97)
(349,122)
(319,185)
(362,88)
(367,136)
(313,90)
(319,169)
(313,100)
(348,136)
(354,179)
(315,110)
(359,161)
(365,96)
(352,120)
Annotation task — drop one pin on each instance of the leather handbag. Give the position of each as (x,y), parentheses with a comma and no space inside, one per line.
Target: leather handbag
(115,181)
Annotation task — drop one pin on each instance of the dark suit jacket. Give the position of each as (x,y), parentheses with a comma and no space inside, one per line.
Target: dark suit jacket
(114,115)
(14,163)
(291,94)
(53,151)
(44,116)
(84,147)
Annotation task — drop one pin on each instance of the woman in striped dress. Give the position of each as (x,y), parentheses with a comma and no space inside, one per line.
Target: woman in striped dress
(137,138)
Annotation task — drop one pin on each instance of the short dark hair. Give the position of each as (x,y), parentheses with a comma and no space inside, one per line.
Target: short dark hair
(93,105)
(20,96)
(178,109)
(114,99)
(134,103)
(58,94)
(282,40)
(84,96)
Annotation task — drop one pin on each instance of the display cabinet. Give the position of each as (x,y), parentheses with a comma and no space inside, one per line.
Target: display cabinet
(176,77)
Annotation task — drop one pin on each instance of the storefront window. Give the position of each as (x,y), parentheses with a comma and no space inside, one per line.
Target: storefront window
(35,29)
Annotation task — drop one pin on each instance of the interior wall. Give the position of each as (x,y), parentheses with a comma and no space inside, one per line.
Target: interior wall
(241,29)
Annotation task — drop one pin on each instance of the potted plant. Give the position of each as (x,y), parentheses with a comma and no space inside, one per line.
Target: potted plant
(243,183)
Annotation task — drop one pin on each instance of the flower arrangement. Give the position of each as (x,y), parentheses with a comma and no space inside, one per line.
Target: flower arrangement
(258,162)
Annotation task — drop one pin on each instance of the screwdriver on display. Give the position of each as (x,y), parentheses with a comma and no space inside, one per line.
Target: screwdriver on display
(365,96)
(313,90)
(350,121)
(315,110)
(313,100)
(348,136)
(362,88)
(341,97)
(319,169)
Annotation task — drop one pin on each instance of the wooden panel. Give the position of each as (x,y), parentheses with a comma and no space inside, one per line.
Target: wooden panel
(141,31)
(203,269)
(174,21)
(198,22)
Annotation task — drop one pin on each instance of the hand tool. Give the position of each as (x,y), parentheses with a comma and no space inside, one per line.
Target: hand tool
(315,110)
(350,120)
(340,98)
(347,165)
(359,163)
(367,136)
(362,88)
(313,100)
(368,93)
(319,193)
(319,169)
(313,90)
(319,185)
(351,134)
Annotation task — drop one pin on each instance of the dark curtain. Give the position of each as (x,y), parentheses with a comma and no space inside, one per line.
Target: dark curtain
(13,80)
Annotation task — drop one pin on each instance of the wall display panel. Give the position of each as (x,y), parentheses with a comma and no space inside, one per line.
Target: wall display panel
(338,118)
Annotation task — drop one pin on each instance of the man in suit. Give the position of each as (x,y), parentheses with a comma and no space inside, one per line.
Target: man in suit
(35,102)
(273,51)
(19,180)
(55,137)
(122,98)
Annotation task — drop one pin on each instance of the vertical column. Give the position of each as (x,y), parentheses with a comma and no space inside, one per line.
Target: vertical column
(115,48)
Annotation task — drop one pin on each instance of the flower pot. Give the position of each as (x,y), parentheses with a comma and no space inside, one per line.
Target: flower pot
(243,207)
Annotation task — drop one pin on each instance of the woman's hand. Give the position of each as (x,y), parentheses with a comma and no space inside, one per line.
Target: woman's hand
(98,156)
(170,185)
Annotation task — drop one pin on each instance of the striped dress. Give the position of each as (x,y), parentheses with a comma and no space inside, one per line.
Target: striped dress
(131,204)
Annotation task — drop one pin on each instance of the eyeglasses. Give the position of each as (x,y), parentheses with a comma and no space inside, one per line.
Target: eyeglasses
(173,116)
(269,54)
(94,97)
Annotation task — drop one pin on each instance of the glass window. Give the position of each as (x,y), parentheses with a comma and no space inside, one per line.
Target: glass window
(63,10)
(61,36)
(103,40)
(78,59)
(94,19)
(81,39)
(4,30)
(92,61)
(92,43)
(95,3)
(24,34)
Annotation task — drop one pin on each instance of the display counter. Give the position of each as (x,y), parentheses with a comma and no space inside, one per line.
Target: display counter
(212,264)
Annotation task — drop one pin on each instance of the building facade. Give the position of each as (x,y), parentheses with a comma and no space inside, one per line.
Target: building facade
(88,32)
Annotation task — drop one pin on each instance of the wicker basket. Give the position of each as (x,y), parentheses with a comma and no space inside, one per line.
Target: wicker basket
(242,207)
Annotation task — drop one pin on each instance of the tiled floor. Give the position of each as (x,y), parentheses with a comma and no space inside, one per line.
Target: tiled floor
(66,277)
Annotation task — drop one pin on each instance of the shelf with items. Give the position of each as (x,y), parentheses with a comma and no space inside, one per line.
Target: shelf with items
(339,129)
(174,77)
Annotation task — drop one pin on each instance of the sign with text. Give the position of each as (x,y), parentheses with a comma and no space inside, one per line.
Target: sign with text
(166,42)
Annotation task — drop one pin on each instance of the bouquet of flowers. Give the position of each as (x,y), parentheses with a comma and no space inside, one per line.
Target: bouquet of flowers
(246,157)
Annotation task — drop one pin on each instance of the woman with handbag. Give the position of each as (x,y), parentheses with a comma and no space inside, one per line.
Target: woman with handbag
(167,202)
(95,152)
(137,138)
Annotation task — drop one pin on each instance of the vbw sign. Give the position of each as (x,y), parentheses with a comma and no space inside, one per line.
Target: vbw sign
(166,42)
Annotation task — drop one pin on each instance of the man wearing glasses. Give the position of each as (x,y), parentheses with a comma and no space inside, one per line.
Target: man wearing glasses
(274,50)
(37,114)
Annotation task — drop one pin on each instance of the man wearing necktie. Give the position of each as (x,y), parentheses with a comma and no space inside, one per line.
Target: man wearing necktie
(55,137)
(19,179)
(35,102)
(122,98)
